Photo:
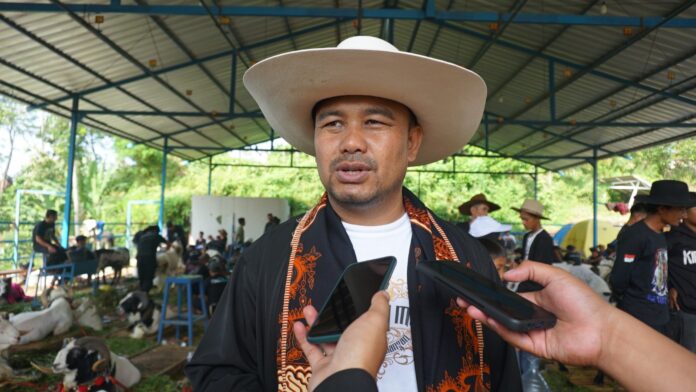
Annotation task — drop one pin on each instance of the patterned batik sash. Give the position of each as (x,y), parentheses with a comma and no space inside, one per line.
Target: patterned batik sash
(321,250)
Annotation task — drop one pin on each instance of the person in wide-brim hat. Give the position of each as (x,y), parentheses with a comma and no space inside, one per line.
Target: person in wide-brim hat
(532,207)
(475,200)
(671,193)
(444,98)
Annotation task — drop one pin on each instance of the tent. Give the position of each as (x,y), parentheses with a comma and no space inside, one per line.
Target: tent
(561,234)
(580,235)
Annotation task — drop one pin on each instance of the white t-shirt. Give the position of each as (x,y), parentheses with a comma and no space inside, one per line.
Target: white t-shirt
(528,245)
(394,239)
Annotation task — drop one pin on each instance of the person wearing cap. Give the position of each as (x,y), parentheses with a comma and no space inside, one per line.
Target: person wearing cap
(681,245)
(639,277)
(476,207)
(367,112)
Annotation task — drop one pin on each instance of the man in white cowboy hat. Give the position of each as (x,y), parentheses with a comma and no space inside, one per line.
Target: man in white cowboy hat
(639,277)
(537,244)
(366,111)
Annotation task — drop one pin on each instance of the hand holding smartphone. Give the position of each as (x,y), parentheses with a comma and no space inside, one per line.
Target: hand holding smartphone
(350,298)
(505,306)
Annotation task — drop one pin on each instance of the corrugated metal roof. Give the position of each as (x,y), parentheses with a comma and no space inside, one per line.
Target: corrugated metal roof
(47,57)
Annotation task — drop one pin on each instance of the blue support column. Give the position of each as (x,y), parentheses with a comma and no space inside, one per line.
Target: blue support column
(536,183)
(210,175)
(594,197)
(233,81)
(390,30)
(165,151)
(67,210)
(552,89)
(485,133)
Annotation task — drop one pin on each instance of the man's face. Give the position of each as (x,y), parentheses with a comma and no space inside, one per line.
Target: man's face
(51,218)
(672,215)
(529,221)
(363,147)
(479,210)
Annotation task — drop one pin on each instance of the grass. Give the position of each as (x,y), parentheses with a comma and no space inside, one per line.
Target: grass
(559,382)
(156,384)
(127,347)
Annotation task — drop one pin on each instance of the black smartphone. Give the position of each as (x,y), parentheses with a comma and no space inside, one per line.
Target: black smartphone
(495,300)
(350,298)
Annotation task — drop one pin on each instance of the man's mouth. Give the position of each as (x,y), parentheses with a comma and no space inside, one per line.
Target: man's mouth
(352,172)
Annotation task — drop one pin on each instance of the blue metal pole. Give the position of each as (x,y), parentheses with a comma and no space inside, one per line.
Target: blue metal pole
(210,174)
(594,197)
(18,202)
(536,183)
(233,81)
(485,133)
(552,90)
(67,210)
(165,151)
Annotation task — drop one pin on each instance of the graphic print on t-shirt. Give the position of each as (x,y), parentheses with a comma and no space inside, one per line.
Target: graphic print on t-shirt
(659,280)
(399,343)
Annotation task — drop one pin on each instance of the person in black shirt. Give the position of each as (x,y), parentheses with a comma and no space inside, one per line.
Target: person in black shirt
(147,242)
(681,245)
(200,241)
(44,234)
(639,277)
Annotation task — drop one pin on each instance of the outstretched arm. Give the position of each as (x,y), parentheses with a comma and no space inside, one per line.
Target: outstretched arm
(591,332)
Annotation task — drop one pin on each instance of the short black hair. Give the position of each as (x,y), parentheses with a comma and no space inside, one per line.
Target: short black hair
(80,238)
(241,221)
(493,247)
(51,213)
(638,208)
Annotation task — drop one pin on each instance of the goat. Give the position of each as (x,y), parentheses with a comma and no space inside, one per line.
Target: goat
(117,259)
(56,318)
(86,314)
(143,316)
(9,336)
(88,362)
(168,263)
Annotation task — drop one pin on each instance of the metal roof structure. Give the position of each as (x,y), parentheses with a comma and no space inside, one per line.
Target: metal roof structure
(569,81)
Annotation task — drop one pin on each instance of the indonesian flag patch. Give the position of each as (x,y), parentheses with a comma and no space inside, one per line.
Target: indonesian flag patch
(628,258)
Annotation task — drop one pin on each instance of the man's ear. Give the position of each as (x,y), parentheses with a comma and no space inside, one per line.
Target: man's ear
(415,138)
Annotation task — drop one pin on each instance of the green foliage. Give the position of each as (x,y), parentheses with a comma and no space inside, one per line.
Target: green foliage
(156,384)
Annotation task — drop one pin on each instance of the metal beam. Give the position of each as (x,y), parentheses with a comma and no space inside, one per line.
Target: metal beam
(590,68)
(513,75)
(437,33)
(608,124)
(594,197)
(367,13)
(514,10)
(72,136)
(619,112)
(163,183)
(65,90)
(205,59)
(552,90)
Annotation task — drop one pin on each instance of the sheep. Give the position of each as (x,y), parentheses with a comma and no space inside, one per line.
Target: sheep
(85,360)
(117,259)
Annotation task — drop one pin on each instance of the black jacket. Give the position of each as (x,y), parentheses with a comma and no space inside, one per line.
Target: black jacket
(541,251)
(238,351)
(348,380)
(681,246)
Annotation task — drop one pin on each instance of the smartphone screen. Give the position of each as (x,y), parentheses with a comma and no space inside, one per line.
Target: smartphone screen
(494,299)
(350,298)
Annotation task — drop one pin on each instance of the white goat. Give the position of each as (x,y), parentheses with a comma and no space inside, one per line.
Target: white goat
(56,318)
(9,336)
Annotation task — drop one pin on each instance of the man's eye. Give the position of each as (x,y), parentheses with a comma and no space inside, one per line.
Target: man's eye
(332,124)
(373,122)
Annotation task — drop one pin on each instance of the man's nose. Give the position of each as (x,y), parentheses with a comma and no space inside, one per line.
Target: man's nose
(353,139)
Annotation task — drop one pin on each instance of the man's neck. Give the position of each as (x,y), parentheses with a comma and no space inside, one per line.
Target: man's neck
(385,212)
(534,230)
(655,223)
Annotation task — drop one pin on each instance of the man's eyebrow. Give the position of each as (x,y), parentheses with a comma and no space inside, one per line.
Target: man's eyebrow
(323,115)
(381,111)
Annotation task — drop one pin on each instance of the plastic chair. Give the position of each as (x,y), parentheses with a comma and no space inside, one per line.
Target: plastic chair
(183,282)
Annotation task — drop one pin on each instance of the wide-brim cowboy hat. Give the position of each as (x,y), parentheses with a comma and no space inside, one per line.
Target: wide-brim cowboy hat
(447,100)
(532,207)
(465,208)
(667,193)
